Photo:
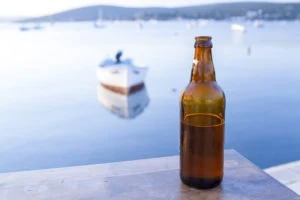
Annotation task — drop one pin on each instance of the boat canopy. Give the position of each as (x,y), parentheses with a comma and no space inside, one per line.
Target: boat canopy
(111,62)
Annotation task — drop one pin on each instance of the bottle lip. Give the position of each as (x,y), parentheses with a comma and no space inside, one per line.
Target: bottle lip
(203,41)
(203,38)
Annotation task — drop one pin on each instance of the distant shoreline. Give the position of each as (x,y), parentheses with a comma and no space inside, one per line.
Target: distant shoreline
(222,11)
(146,21)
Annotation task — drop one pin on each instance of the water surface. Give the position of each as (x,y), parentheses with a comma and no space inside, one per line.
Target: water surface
(50,115)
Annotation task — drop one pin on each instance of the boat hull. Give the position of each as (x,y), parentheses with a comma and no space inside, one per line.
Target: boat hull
(121,78)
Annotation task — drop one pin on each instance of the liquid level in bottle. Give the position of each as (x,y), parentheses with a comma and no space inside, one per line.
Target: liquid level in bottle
(201,150)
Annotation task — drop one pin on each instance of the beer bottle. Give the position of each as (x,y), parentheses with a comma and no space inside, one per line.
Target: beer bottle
(202,116)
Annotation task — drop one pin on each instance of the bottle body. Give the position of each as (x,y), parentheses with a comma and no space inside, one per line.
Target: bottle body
(202,129)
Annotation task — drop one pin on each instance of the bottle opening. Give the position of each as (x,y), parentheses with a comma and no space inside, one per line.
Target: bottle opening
(203,41)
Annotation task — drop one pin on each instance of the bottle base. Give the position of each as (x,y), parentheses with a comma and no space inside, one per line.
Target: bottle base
(201,183)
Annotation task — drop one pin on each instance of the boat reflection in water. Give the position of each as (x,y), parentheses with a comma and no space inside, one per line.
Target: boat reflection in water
(125,105)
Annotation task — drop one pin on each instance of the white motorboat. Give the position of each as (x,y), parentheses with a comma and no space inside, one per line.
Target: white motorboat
(122,76)
(153,21)
(238,27)
(202,22)
(124,106)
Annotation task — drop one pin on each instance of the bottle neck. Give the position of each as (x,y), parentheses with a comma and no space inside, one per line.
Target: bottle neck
(203,67)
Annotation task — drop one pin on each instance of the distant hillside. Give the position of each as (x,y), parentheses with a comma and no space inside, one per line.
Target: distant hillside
(248,10)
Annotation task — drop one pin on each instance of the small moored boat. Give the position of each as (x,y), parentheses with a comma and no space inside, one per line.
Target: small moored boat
(238,27)
(121,76)
(259,24)
(24,28)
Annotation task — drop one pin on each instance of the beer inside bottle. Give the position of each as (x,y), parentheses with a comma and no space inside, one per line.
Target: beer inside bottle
(202,122)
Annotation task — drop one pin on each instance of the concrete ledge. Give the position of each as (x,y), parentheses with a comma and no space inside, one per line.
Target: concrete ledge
(287,174)
(149,179)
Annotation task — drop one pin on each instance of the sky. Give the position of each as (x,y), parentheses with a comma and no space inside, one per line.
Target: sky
(30,8)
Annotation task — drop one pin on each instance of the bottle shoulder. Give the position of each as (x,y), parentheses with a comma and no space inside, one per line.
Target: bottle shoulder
(203,90)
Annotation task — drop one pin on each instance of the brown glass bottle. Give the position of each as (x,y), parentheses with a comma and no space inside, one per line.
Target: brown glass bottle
(202,122)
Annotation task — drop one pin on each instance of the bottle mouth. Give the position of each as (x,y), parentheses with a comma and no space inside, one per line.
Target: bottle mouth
(203,41)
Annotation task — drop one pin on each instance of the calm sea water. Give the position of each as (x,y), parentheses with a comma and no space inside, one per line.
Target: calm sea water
(50,115)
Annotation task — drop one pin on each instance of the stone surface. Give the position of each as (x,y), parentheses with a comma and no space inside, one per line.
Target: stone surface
(150,179)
